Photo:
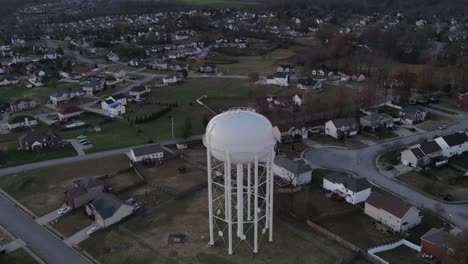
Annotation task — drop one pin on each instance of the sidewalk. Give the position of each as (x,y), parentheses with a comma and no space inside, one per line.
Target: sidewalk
(49,217)
(80,236)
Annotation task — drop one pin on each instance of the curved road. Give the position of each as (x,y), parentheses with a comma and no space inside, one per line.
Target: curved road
(362,162)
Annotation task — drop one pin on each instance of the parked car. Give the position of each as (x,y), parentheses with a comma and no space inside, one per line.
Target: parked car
(64,210)
(81,137)
(442,127)
(82,141)
(92,230)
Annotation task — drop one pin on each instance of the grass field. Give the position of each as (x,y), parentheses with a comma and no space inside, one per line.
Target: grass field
(391,157)
(434,122)
(40,94)
(443,185)
(222,3)
(401,254)
(13,157)
(41,190)
(263,64)
(120,134)
(19,256)
(71,223)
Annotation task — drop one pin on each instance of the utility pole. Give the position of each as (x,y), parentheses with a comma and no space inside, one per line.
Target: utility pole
(172,126)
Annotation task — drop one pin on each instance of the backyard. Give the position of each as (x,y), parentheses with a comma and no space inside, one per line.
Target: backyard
(401,254)
(41,190)
(19,256)
(447,184)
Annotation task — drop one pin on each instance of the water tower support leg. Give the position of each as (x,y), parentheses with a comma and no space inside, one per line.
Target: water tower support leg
(240,200)
(249,190)
(229,204)
(210,196)
(267,195)
(271,199)
(255,249)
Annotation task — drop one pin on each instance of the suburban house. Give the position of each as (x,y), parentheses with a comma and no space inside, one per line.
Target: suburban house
(435,243)
(208,68)
(412,114)
(158,65)
(463,100)
(392,212)
(295,172)
(421,155)
(139,91)
(354,190)
(453,144)
(61,97)
(111,56)
(149,152)
(171,79)
(285,68)
(83,191)
(280,79)
(342,128)
(69,111)
(107,209)
(112,107)
(288,133)
(8,80)
(375,121)
(21,121)
(39,139)
(178,67)
(118,98)
(309,83)
(116,71)
(93,86)
(22,105)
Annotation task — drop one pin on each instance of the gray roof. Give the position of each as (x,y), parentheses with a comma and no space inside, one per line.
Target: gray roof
(294,166)
(417,152)
(376,117)
(437,237)
(76,191)
(412,109)
(140,88)
(351,183)
(429,147)
(88,182)
(107,205)
(147,150)
(344,122)
(20,119)
(456,139)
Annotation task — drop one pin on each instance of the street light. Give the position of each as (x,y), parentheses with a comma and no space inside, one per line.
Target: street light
(172,125)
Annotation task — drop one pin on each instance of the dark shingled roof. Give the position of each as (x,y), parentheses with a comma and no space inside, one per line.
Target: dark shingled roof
(341,122)
(388,203)
(140,88)
(417,152)
(107,205)
(146,150)
(351,183)
(76,191)
(88,182)
(429,147)
(456,139)
(20,118)
(294,166)
(118,96)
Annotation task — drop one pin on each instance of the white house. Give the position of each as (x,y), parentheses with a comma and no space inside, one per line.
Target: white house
(392,212)
(280,79)
(67,112)
(149,152)
(61,97)
(309,83)
(454,144)
(353,189)
(342,128)
(113,108)
(118,98)
(288,133)
(171,79)
(21,121)
(111,56)
(296,172)
(412,114)
(285,68)
(139,91)
(421,155)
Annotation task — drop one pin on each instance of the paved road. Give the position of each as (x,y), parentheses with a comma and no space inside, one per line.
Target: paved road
(362,162)
(49,248)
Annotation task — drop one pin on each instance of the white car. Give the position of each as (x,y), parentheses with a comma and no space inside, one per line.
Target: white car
(92,230)
(64,210)
(81,137)
(443,127)
(83,141)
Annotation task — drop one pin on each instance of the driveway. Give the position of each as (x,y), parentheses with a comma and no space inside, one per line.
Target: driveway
(49,248)
(77,146)
(79,236)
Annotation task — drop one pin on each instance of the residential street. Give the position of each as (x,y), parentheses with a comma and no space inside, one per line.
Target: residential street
(49,248)
(362,162)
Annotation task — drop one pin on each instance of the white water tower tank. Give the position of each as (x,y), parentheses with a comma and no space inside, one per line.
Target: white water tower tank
(242,133)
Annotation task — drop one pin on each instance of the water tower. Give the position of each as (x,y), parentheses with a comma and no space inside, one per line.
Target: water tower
(240,154)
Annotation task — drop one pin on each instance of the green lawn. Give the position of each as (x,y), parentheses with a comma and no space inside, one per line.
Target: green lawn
(222,3)
(445,184)
(40,94)
(41,190)
(441,110)
(263,64)
(19,256)
(119,133)
(461,160)
(11,156)
(391,157)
